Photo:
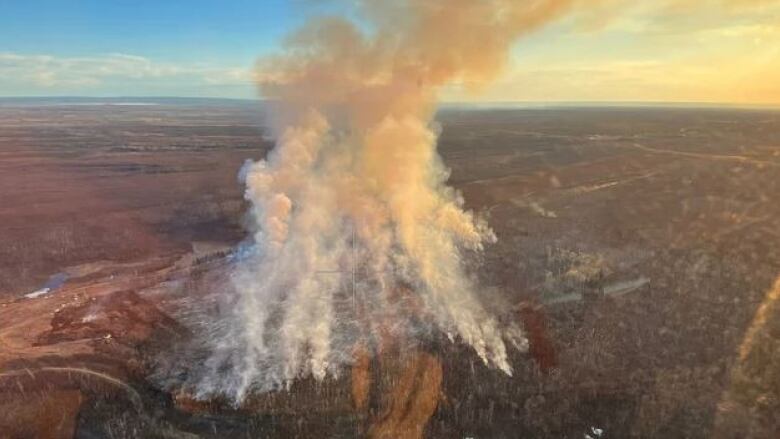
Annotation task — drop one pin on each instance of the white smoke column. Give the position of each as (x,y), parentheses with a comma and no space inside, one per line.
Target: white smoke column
(354,185)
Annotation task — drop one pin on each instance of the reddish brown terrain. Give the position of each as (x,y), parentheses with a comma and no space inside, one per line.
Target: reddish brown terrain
(638,248)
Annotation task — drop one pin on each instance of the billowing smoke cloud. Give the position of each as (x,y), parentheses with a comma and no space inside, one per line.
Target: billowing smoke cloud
(357,238)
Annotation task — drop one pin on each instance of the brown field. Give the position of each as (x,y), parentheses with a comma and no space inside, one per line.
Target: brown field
(639,247)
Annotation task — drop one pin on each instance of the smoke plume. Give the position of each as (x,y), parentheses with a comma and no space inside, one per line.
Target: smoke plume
(356,236)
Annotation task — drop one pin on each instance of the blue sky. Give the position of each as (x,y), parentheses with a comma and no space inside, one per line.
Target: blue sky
(177,47)
(176,30)
(684,51)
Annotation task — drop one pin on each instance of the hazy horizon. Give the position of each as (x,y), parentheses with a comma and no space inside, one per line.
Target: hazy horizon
(84,100)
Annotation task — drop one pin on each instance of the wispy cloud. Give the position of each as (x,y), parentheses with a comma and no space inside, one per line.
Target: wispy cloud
(39,74)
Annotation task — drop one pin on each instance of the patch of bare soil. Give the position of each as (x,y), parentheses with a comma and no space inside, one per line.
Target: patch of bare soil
(40,415)
(121,317)
(361,379)
(79,346)
(411,398)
